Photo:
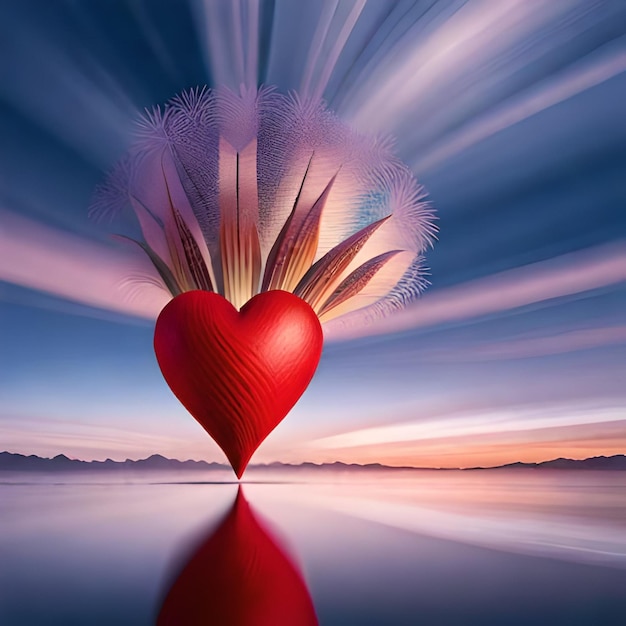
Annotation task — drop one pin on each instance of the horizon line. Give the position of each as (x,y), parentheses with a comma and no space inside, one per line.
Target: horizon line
(319,465)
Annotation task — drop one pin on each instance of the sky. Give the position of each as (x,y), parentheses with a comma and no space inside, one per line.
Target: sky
(510,113)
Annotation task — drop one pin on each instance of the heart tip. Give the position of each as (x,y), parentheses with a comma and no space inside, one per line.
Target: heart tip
(239,466)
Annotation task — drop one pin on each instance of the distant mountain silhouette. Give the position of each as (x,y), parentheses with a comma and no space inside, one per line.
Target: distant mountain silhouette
(19,462)
(616,462)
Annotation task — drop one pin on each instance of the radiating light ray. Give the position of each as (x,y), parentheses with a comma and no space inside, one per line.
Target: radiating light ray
(323,31)
(56,262)
(155,39)
(533,346)
(467,20)
(448,69)
(487,450)
(571,274)
(574,273)
(327,12)
(603,65)
(505,421)
(339,43)
(229,34)
(79,438)
(466,37)
(87,89)
(381,32)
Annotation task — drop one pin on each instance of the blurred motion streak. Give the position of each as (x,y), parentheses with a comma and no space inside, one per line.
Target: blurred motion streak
(570,515)
(578,79)
(40,257)
(531,346)
(562,276)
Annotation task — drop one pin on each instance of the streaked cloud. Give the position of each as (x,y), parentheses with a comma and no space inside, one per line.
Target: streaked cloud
(43,258)
(562,276)
(87,440)
(533,346)
(605,64)
(510,421)
(80,91)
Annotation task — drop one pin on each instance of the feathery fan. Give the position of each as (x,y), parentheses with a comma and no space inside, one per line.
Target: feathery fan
(244,193)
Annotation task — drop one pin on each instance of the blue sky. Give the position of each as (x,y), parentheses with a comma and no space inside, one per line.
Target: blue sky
(511,118)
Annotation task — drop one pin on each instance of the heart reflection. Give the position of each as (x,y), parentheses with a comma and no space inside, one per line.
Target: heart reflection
(238,576)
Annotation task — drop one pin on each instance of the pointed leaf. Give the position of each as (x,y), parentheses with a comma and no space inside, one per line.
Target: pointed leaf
(322,277)
(197,266)
(277,255)
(297,243)
(357,281)
(161,267)
(239,241)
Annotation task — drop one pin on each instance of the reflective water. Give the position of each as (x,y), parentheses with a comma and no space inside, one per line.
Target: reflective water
(371,548)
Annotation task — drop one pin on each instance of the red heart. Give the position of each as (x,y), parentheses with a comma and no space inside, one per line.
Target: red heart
(238,373)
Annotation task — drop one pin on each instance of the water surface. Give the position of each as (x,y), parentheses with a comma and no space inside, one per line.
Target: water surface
(371,548)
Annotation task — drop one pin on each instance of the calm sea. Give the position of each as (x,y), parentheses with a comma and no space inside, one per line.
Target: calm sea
(490,548)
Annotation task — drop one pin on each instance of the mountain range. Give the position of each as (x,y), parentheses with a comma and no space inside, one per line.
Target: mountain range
(19,462)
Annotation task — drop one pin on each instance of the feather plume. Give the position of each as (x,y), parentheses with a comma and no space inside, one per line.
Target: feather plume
(243,192)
